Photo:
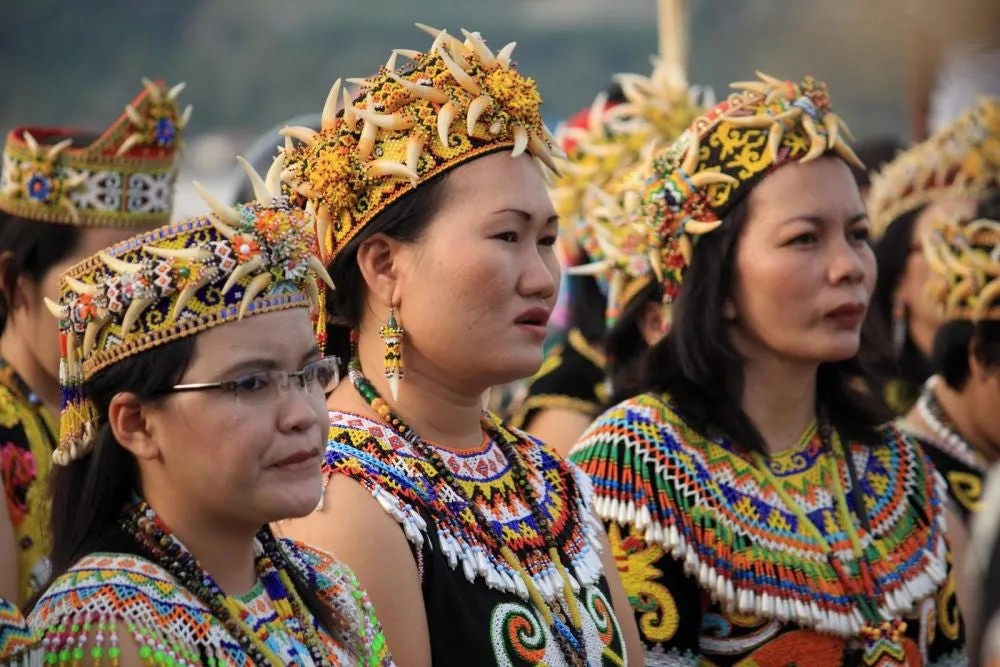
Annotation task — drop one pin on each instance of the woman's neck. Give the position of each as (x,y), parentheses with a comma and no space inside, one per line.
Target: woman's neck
(779,398)
(17,353)
(955,406)
(435,411)
(225,551)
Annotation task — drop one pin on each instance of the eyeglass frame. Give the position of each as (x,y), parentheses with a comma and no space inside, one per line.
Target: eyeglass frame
(230,385)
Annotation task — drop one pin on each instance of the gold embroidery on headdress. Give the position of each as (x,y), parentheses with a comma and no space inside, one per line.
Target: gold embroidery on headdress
(177,281)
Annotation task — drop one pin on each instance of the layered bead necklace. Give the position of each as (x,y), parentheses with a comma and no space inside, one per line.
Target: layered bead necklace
(155,538)
(876,627)
(569,637)
(945,437)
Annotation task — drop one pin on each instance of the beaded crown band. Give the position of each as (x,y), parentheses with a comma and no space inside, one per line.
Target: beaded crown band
(177,281)
(454,103)
(960,160)
(124,178)
(692,184)
(964,258)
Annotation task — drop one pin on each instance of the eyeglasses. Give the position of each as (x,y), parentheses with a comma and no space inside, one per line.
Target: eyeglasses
(321,376)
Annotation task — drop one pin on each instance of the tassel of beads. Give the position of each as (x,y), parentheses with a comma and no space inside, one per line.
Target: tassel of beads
(392,335)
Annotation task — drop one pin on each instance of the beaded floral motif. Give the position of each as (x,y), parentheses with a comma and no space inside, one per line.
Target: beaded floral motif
(107,591)
(176,281)
(710,508)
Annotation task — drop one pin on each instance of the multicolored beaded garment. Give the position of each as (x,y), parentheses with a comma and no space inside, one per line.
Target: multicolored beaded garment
(721,570)
(571,378)
(479,610)
(955,459)
(104,594)
(19,646)
(27,439)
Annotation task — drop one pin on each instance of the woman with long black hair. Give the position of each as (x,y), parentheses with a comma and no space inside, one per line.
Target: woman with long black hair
(757,509)
(193,416)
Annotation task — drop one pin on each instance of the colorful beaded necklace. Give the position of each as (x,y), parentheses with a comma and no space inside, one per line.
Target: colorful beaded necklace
(570,638)
(876,627)
(153,536)
(944,435)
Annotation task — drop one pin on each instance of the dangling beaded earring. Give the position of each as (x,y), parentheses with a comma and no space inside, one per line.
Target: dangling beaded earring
(898,326)
(392,335)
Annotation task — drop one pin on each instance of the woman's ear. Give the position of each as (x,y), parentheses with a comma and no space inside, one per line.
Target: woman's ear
(130,424)
(378,258)
(651,322)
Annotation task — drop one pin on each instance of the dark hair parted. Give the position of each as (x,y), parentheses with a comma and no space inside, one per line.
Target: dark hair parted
(892,253)
(404,220)
(90,494)
(701,370)
(625,345)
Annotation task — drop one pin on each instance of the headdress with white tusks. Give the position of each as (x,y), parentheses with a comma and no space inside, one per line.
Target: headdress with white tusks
(454,54)
(157,95)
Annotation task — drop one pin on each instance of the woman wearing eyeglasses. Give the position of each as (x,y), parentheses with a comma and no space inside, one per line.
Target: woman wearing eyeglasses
(193,416)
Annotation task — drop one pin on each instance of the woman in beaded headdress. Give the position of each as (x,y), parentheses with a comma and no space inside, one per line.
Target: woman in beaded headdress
(955,417)
(604,146)
(757,510)
(193,416)
(945,176)
(478,544)
(63,196)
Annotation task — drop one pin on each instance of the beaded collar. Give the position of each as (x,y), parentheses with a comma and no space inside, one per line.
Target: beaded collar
(943,434)
(716,512)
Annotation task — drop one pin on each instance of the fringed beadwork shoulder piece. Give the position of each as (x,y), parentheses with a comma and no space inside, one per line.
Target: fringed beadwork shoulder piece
(124,178)
(692,184)
(961,160)
(177,281)
(710,508)
(340,590)
(413,493)
(19,645)
(456,102)
(964,257)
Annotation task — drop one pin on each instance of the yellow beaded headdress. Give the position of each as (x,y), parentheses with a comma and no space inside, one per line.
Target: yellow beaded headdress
(124,178)
(616,244)
(176,281)
(960,160)
(613,137)
(692,184)
(964,258)
(454,103)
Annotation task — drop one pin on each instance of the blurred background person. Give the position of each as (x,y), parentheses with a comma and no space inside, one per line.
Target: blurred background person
(947,175)
(64,194)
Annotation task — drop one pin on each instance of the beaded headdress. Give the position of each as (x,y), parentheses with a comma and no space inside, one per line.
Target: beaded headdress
(961,160)
(177,281)
(692,184)
(616,244)
(603,145)
(964,258)
(456,102)
(124,178)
